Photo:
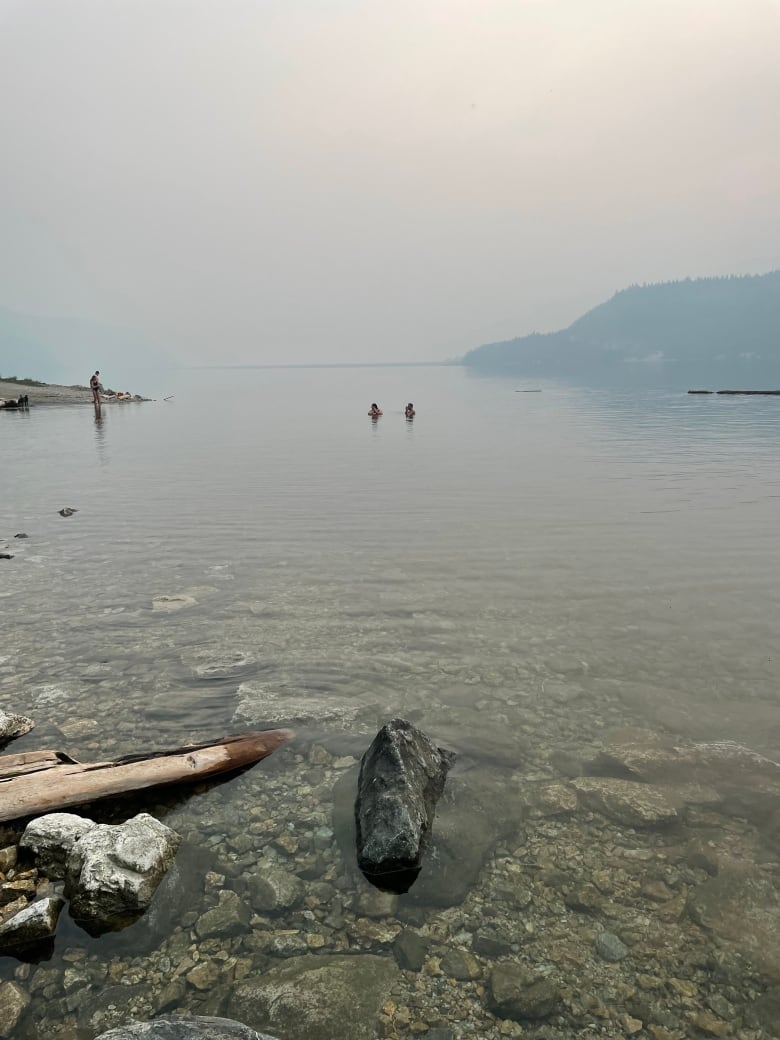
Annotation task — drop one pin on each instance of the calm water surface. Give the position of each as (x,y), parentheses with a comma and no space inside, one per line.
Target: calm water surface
(633,534)
(502,547)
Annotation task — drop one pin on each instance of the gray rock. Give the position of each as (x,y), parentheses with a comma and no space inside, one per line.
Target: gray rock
(410,949)
(610,948)
(228,917)
(184,1027)
(749,783)
(273,889)
(402,776)
(489,946)
(13,1002)
(35,924)
(459,964)
(12,726)
(629,803)
(112,872)
(262,704)
(314,996)
(51,838)
(466,832)
(518,994)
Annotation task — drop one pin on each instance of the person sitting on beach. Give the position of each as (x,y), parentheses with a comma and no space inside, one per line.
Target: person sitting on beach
(375,411)
(409,411)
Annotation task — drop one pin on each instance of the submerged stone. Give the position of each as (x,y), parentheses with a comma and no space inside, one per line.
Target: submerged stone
(519,994)
(317,996)
(402,776)
(184,1027)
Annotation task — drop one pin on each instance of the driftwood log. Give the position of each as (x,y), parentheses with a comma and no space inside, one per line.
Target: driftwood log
(35,782)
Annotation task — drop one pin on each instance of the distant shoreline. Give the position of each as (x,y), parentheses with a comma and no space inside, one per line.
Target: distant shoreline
(48,393)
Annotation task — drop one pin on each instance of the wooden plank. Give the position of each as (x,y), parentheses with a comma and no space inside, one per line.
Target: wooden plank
(61,785)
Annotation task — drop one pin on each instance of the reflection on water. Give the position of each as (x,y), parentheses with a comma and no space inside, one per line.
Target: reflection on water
(518,574)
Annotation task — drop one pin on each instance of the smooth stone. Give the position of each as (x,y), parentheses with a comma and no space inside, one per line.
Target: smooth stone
(460,965)
(610,948)
(516,993)
(317,996)
(410,950)
(184,1027)
(273,889)
(402,776)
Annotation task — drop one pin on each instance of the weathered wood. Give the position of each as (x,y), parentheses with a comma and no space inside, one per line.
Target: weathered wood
(30,762)
(49,781)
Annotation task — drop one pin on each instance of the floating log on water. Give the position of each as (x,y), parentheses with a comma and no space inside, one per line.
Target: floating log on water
(739,393)
(37,782)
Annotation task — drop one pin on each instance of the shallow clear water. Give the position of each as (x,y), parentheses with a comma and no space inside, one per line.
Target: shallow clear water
(499,554)
(634,532)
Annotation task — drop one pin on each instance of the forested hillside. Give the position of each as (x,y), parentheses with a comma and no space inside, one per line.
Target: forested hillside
(703,330)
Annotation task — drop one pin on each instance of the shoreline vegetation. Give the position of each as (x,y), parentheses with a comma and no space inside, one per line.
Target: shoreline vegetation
(50,393)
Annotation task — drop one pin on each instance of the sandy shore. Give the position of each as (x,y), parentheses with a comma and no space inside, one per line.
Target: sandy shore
(50,393)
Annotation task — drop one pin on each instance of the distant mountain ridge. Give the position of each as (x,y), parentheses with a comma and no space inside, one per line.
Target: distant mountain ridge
(67,350)
(705,329)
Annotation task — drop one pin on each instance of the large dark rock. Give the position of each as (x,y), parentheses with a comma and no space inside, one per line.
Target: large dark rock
(468,826)
(401,778)
(180,1027)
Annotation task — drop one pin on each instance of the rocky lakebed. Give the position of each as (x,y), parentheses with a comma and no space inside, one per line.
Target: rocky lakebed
(579,881)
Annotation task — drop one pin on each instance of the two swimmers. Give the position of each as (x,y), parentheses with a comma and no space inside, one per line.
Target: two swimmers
(375,411)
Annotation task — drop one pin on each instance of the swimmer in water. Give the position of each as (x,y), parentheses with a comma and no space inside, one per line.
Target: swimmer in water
(375,411)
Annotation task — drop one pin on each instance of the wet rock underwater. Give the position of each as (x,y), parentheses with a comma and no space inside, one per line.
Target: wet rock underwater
(620,884)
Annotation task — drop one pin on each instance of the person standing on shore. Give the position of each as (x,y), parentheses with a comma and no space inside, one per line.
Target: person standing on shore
(94,385)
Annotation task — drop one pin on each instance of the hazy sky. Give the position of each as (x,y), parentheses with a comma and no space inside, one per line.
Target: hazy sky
(265,181)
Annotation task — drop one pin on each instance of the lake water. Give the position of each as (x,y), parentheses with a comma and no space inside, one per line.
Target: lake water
(509,570)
